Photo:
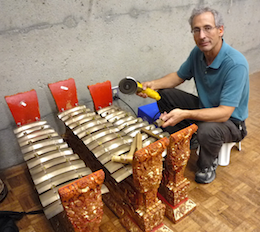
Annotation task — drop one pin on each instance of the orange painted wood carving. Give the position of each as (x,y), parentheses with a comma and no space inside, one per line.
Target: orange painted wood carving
(175,186)
(82,201)
(147,175)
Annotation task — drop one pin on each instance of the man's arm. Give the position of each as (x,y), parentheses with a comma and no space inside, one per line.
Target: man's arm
(169,81)
(217,114)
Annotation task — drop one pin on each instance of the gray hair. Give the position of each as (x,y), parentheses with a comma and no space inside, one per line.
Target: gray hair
(199,10)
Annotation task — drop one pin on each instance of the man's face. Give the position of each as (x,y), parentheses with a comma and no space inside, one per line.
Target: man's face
(207,37)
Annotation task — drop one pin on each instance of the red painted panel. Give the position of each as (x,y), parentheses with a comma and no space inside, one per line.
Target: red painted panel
(64,94)
(101,94)
(24,107)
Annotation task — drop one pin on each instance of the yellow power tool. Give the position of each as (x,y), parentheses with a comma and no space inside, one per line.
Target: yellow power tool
(129,85)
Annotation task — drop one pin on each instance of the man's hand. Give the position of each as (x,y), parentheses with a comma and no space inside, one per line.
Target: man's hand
(148,84)
(169,81)
(216,114)
(173,117)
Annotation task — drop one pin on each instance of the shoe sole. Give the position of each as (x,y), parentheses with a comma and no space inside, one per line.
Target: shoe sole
(3,194)
(207,181)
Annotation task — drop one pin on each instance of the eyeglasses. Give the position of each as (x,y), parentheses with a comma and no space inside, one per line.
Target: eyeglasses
(207,30)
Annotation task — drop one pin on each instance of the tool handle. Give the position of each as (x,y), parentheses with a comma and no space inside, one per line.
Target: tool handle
(125,159)
(150,92)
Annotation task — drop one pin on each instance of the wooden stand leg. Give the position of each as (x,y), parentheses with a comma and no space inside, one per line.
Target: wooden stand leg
(174,189)
(147,174)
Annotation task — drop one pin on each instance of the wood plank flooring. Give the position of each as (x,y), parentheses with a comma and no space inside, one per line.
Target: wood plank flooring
(229,203)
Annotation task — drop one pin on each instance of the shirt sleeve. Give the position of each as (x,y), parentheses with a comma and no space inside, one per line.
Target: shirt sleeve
(234,85)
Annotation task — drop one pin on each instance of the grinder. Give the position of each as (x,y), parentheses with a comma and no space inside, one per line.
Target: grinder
(129,85)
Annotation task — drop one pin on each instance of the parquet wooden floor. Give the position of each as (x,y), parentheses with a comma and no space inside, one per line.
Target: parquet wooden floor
(230,203)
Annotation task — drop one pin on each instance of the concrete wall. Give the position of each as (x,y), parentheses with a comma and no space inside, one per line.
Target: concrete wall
(92,41)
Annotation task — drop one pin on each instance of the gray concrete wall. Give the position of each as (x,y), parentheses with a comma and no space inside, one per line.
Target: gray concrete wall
(92,41)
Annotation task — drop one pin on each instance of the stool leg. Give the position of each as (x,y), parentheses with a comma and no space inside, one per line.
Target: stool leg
(224,154)
(239,146)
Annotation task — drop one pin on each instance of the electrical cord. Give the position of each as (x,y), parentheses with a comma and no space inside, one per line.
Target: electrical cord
(18,215)
(116,97)
(155,116)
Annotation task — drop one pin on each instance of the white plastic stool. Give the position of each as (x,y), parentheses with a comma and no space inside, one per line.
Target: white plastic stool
(224,153)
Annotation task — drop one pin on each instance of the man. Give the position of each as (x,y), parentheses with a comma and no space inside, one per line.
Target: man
(221,76)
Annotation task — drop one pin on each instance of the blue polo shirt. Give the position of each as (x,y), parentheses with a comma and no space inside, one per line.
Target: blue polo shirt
(224,82)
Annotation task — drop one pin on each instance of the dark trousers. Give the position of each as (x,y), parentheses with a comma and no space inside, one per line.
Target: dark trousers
(210,135)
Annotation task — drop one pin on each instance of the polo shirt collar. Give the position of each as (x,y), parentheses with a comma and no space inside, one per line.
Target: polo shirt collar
(219,58)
